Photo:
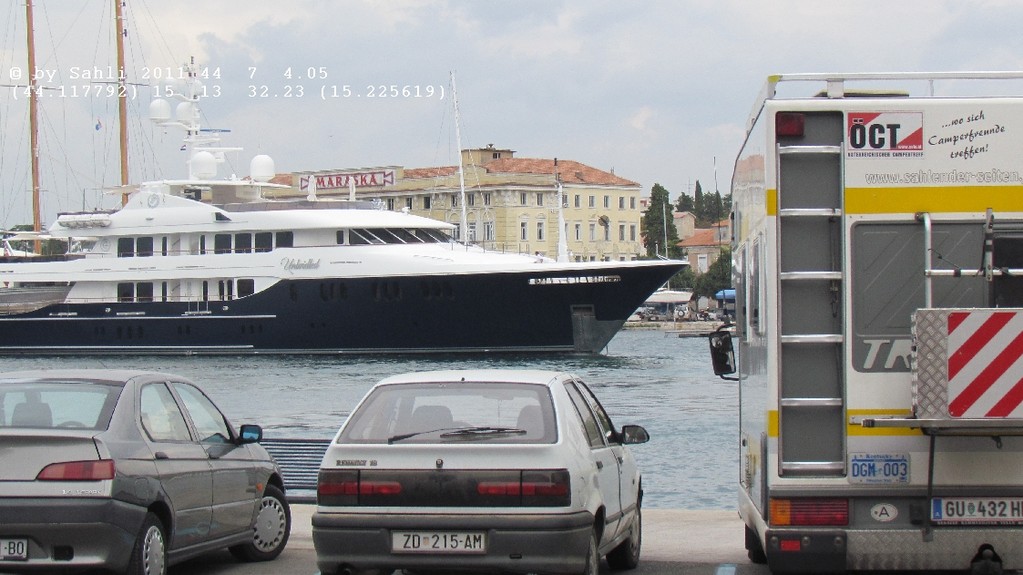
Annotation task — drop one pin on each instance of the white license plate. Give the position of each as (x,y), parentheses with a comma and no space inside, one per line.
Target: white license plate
(438,542)
(14,549)
(977,510)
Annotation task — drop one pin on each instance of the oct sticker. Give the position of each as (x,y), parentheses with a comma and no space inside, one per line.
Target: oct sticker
(885,134)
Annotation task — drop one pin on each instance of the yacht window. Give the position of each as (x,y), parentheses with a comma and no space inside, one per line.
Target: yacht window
(144,291)
(144,247)
(387,236)
(163,246)
(357,239)
(202,245)
(163,291)
(264,242)
(340,237)
(222,244)
(243,243)
(205,291)
(125,292)
(406,236)
(365,236)
(125,247)
(285,239)
(226,289)
(433,235)
(246,287)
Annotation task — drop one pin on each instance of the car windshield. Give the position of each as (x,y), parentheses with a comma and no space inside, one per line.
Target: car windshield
(454,413)
(57,404)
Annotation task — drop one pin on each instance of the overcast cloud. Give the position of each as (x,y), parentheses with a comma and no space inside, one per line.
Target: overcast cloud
(657,91)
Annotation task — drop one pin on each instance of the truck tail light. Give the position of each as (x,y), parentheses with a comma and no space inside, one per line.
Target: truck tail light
(809,511)
(96,470)
(789,124)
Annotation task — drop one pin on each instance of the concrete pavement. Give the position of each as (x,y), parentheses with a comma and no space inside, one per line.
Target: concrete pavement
(673,541)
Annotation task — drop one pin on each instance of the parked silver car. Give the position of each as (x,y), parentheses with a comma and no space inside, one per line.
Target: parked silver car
(129,471)
(495,470)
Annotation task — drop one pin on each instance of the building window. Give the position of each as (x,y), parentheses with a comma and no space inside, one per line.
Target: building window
(632,202)
(486,199)
(454,200)
(621,232)
(607,233)
(522,198)
(607,201)
(472,231)
(578,201)
(426,202)
(470,200)
(621,203)
(390,204)
(523,231)
(408,203)
(632,232)
(578,231)
(593,201)
(539,198)
(539,231)
(593,232)
(488,231)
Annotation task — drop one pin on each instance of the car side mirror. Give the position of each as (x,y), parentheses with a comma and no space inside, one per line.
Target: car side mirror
(722,355)
(250,433)
(633,434)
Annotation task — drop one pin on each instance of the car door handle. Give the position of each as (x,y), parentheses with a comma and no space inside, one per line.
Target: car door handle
(600,465)
(161,455)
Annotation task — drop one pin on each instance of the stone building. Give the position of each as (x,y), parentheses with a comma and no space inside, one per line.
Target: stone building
(511,203)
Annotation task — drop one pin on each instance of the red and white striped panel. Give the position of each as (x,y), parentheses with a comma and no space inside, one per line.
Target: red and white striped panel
(985,363)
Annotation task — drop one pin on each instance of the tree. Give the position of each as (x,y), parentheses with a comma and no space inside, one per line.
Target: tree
(658,223)
(717,277)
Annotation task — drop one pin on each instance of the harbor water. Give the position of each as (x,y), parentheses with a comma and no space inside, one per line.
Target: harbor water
(646,377)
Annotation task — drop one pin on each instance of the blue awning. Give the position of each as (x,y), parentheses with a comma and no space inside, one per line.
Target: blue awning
(725,294)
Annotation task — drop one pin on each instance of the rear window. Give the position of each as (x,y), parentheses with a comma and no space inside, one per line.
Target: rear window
(454,413)
(57,405)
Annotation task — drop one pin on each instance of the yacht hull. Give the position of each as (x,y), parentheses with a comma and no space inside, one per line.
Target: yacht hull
(577,309)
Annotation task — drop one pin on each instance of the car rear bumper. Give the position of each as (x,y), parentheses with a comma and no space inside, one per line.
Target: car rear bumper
(526,543)
(70,533)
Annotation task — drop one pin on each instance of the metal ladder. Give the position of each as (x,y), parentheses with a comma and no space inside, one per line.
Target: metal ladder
(810,306)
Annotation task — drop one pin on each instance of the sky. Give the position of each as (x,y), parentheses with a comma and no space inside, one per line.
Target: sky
(658,92)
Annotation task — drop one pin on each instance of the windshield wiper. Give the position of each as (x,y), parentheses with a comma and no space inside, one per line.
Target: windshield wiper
(468,431)
(405,436)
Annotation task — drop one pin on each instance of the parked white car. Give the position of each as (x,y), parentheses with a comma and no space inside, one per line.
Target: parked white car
(515,471)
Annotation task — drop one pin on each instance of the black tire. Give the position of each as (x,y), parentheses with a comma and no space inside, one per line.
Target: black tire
(754,550)
(592,566)
(149,556)
(626,555)
(271,529)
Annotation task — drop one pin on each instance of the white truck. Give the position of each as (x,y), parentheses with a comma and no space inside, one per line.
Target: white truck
(878,265)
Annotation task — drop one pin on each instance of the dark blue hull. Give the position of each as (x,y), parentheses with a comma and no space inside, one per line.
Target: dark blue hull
(577,311)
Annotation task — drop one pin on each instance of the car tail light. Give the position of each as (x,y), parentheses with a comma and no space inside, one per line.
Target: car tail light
(789,124)
(337,487)
(78,471)
(809,511)
(533,487)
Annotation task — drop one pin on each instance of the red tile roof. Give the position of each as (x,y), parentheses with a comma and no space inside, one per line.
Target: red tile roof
(702,237)
(571,172)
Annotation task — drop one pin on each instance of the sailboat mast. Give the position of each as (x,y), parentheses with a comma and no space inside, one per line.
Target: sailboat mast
(33,120)
(122,95)
(461,171)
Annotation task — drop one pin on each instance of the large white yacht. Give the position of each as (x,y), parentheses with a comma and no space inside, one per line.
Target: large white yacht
(207,266)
